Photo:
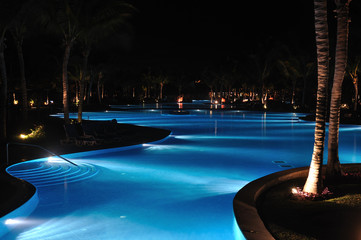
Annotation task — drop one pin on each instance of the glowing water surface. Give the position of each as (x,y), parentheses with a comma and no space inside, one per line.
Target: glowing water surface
(181,188)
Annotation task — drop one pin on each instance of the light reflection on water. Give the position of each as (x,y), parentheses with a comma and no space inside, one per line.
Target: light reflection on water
(182,188)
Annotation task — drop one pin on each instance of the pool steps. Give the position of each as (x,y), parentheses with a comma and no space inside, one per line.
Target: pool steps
(44,174)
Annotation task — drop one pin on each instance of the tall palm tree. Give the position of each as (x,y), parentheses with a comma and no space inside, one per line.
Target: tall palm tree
(63,17)
(291,71)
(353,71)
(18,31)
(99,19)
(314,180)
(263,69)
(4,87)
(333,164)
(8,9)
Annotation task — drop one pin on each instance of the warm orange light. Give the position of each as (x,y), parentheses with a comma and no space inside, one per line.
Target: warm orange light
(223,100)
(180,99)
(23,136)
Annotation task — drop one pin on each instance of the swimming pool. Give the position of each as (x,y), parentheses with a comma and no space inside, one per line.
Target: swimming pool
(179,188)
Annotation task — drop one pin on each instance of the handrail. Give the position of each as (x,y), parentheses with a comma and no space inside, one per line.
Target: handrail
(33,145)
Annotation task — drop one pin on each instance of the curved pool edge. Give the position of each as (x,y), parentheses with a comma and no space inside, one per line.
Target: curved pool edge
(26,204)
(245,201)
(116,149)
(10,220)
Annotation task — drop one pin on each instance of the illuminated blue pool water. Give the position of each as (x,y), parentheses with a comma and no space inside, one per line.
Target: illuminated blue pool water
(181,188)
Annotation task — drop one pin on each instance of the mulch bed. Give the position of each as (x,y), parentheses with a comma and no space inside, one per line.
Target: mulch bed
(337,218)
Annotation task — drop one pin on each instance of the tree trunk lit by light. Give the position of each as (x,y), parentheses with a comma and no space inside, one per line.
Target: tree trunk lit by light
(65,81)
(82,84)
(4,91)
(314,180)
(353,73)
(333,163)
(24,95)
(356,94)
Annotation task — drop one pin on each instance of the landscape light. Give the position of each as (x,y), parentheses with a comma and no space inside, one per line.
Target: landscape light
(23,136)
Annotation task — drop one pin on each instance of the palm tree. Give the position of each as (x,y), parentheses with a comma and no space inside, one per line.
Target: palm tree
(333,164)
(8,9)
(18,31)
(267,54)
(4,87)
(263,69)
(353,70)
(63,17)
(161,80)
(208,78)
(291,70)
(308,69)
(99,19)
(314,180)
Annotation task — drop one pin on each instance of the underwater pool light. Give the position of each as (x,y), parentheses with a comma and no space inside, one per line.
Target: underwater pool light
(12,221)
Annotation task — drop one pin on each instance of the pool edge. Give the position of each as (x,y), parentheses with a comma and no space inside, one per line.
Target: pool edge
(22,211)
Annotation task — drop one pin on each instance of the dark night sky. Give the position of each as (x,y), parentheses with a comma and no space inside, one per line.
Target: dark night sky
(207,29)
(185,36)
(196,32)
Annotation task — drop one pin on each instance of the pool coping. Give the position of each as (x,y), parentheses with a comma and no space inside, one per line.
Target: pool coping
(245,207)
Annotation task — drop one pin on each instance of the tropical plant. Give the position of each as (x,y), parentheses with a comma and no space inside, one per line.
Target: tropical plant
(62,16)
(99,19)
(308,69)
(291,71)
(8,9)
(263,68)
(263,61)
(18,31)
(208,78)
(333,163)
(314,180)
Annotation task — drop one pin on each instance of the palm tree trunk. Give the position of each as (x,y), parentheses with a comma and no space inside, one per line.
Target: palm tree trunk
(90,87)
(333,163)
(304,91)
(24,95)
(4,93)
(161,91)
(103,91)
(81,85)
(68,46)
(356,95)
(76,91)
(98,90)
(314,180)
